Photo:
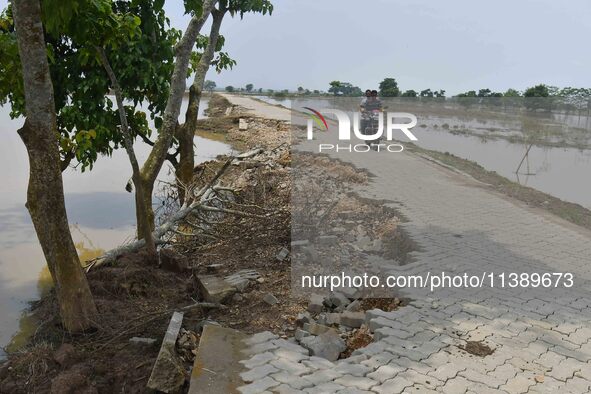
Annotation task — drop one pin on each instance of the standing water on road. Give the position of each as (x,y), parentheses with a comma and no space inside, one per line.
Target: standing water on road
(100,211)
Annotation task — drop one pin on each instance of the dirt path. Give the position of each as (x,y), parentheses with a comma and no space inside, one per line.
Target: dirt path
(540,336)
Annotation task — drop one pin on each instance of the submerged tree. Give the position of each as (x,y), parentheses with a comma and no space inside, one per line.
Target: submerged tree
(209,86)
(45,194)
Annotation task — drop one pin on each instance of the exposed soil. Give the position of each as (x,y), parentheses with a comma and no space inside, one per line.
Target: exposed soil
(358,339)
(477,348)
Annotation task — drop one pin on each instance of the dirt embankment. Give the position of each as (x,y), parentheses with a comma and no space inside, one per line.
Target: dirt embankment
(136,298)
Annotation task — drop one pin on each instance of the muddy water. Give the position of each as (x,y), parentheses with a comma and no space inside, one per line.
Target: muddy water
(100,211)
(560,172)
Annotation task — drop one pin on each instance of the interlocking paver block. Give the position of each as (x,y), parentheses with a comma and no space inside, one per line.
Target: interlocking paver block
(518,384)
(293,381)
(352,369)
(325,388)
(258,359)
(258,373)
(260,337)
(390,386)
(356,381)
(290,367)
(259,386)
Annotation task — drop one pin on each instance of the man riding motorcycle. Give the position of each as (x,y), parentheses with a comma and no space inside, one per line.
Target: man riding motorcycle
(371,110)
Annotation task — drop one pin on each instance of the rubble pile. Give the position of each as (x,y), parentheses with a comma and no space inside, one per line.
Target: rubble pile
(324,329)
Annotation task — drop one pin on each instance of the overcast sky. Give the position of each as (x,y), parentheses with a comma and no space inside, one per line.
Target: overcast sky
(456,45)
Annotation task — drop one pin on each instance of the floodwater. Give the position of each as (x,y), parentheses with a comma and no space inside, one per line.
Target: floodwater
(558,171)
(100,212)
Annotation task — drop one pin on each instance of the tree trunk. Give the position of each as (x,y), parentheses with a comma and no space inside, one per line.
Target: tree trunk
(159,151)
(184,172)
(143,191)
(45,194)
(144,212)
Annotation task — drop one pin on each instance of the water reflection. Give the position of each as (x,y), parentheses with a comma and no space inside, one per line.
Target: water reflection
(100,212)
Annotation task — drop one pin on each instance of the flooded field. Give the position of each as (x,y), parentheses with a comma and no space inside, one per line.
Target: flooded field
(100,211)
(498,141)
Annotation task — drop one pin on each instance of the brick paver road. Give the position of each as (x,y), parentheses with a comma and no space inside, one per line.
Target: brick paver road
(541,337)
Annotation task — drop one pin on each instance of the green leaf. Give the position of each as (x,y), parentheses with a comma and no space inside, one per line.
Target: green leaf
(193,7)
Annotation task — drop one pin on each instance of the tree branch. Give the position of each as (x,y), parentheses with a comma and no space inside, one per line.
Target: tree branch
(177,90)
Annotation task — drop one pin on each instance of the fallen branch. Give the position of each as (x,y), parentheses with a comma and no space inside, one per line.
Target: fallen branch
(200,200)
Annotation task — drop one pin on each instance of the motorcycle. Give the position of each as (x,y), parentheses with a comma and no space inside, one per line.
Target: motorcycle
(370,121)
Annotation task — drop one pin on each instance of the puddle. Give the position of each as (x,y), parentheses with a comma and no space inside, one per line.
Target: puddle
(100,211)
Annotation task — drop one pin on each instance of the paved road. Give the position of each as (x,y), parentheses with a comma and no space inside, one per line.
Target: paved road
(541,338)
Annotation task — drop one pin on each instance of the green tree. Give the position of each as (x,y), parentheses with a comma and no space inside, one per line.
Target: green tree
(45,196)
(209,86)
(389,88)
(471,93)
(426,93)
(512,93)
(540,90)
(335,87)
(86,118)
(344,89)
(249,87)
(409,93)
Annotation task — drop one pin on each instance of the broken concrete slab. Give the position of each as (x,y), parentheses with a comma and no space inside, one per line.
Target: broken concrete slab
(217,365)
(318,329)
(349,292)
(201,325)
(242,124)
(352,319)
(316,303)
(336,299)
(354,306)
(299,334)
(282,254)
(333,318)
(303,317)
(214,289)
(168,373)
(327,345)
(241,279)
